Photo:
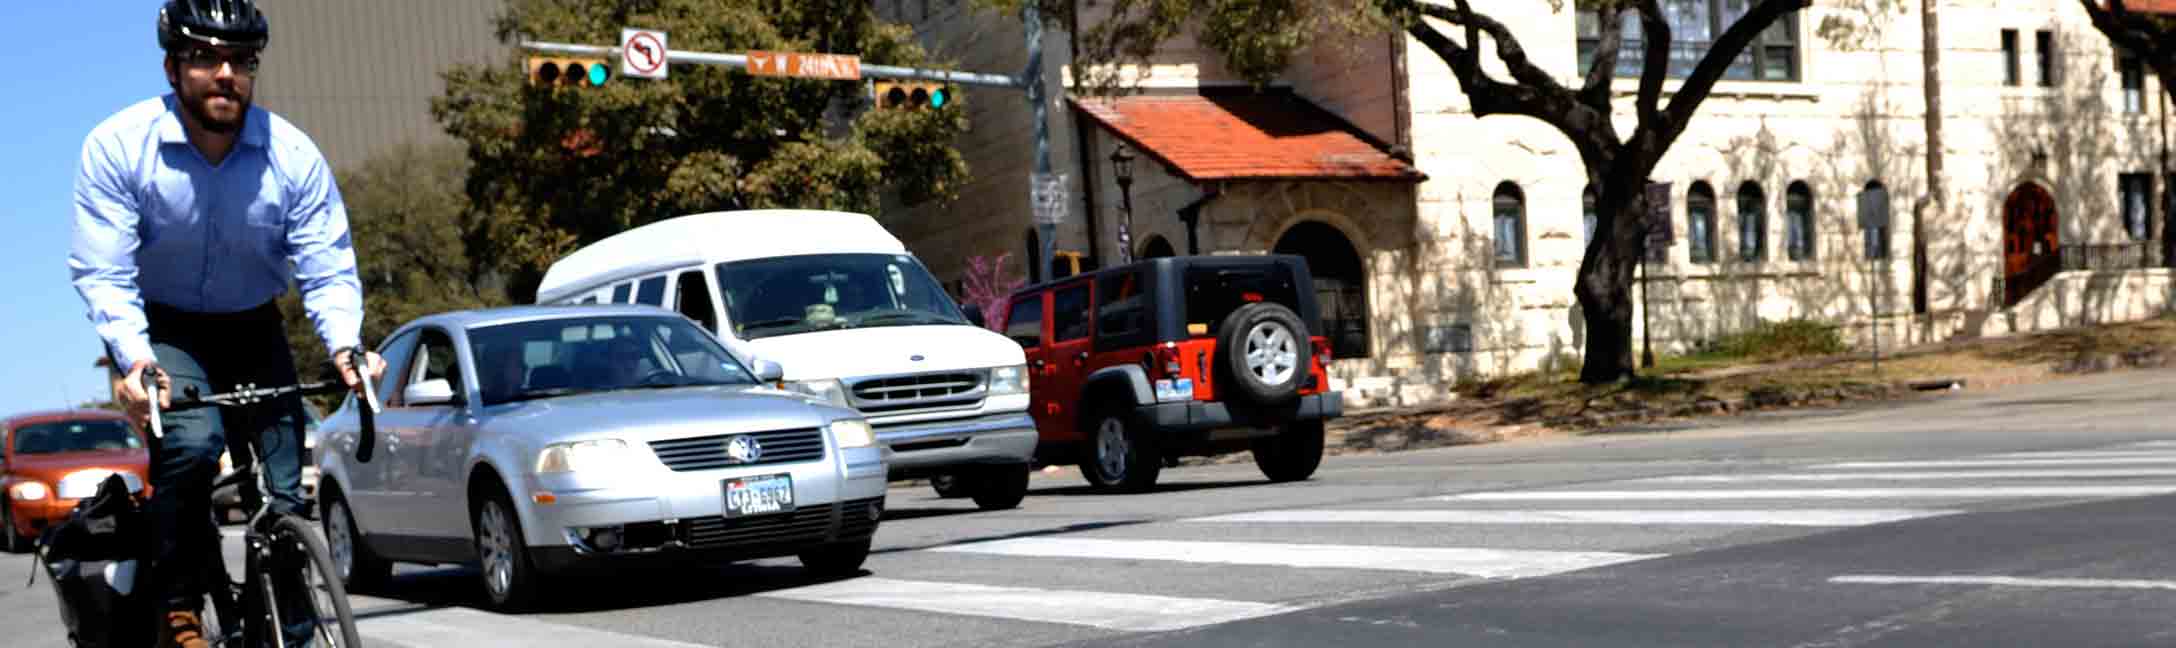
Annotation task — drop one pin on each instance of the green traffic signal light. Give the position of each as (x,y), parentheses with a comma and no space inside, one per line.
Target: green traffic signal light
(597,75)
(938,97)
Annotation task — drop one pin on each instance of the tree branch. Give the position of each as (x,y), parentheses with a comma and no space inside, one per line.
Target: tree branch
(1536,95)
(1507,46)
(1718,59)
(1655,34)
(2127,29)
(1595,93)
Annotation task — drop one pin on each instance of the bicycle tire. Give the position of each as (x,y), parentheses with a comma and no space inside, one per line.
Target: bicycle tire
(320,559)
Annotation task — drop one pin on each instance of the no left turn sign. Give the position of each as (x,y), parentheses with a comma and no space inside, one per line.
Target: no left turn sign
(642,53)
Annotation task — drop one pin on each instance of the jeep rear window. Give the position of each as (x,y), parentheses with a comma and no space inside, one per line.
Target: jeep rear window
(1212,293)
(1122,308)
(1069,313)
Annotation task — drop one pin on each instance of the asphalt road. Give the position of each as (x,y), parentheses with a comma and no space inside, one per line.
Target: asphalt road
(2036,516)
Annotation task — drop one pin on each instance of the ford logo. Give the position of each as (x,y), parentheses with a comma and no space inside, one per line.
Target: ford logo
(743,449)
(916,358)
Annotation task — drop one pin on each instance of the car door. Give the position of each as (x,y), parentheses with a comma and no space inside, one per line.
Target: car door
(1070,330)
(435,447)
(366,486)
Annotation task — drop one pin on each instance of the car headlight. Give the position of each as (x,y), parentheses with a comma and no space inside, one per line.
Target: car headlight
(1009,380)
(852,433)
(84,483)
(829,391)
(28,491)
(598,455)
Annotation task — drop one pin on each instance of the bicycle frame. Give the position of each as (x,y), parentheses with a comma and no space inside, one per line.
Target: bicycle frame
(250,602)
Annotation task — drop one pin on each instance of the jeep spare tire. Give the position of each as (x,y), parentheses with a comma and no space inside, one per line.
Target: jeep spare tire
(1263,352)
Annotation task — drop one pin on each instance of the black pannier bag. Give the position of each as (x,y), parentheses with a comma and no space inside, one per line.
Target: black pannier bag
(93,559)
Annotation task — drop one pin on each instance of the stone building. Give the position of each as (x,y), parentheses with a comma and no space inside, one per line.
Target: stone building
(1445,246)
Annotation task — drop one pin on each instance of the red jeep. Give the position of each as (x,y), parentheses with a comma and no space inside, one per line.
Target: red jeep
(1171,357)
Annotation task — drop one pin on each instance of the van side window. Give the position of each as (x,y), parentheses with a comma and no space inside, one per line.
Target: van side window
(620,292)
(693,297)
(651,292)
(1024,324)
(1069,313)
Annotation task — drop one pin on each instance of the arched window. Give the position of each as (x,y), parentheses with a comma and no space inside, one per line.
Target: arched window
(1799,232)
(1874,200)
(1158,247)
(1700,222)
(1510,231)
(1340,284)
(1752,223)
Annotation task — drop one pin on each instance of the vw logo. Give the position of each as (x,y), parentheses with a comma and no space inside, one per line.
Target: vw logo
(743,449)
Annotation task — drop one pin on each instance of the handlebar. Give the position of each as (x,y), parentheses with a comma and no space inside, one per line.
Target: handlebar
(251,394)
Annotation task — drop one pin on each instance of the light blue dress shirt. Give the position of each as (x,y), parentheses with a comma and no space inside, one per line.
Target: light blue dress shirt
(155,221)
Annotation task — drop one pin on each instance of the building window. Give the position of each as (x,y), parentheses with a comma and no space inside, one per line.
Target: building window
(1510,226)
(1700,222)
(2137,194)
(2010,73)
(1587,215)
(2133,73)
(1875,200)
(2044,49)
(1752,223)
(1798,212)
(1694,26)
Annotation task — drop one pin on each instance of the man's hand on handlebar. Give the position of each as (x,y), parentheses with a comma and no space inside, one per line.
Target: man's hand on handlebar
(129,392)
(348,374)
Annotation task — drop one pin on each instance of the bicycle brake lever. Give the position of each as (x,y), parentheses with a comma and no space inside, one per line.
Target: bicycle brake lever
(368,415)
(151,388)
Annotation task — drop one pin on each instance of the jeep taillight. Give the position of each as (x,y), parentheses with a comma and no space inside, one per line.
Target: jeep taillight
(1322,352)
(1167,359)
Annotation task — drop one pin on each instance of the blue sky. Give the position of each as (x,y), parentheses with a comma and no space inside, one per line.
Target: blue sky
(96,58)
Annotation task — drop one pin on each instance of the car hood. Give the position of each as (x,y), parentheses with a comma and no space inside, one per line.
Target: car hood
(886,350)
(56,465)
(650,414)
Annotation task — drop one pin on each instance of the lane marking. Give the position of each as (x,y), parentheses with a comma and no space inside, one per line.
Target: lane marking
(2081,454)
(2085,473)
(1991,492)
(1998,463)
(2006,581)
(1486,563)
(478,629)
(1781,517)
(1108,610)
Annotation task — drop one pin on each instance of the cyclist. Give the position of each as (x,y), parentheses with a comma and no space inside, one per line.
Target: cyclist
(193,212)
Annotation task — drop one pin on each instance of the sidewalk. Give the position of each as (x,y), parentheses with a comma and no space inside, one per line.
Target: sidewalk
(1545,405)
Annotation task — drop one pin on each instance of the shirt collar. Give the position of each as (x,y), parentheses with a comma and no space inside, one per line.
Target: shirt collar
(256,129)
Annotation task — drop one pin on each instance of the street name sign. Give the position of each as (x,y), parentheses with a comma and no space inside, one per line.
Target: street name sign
(841,67)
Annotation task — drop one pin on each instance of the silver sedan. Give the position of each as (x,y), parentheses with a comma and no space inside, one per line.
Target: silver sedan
(533,441)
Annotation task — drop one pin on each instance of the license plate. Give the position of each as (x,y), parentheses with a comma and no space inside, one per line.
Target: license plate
(746,496)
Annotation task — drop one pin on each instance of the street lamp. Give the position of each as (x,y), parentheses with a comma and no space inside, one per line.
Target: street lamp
(1122,169)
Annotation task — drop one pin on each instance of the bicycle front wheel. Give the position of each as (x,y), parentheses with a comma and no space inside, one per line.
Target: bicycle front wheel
(311,599)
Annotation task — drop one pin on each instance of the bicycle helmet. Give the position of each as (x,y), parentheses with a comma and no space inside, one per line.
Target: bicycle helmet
(224,23)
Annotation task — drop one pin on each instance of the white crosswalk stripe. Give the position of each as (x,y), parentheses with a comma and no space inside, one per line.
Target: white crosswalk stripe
(1108,610)
(1486,563)
(1989,492)
(1999,463)
(1776,517)
(476,629)
(2083,473)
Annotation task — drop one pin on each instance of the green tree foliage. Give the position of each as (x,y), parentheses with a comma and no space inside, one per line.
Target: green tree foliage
(407,214)
(558,168)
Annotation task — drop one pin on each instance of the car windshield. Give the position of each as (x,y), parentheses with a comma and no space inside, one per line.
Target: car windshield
(530,360)
(799,294)
(75,436)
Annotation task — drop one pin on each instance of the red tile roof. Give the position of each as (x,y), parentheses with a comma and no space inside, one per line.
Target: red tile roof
(2150,6)
(1265,136)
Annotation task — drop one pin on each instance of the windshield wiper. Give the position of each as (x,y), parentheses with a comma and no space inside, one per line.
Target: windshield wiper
(771,323)
(918,315)
(534,394)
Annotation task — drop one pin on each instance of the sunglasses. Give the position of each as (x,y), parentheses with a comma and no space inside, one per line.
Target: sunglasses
(243,62)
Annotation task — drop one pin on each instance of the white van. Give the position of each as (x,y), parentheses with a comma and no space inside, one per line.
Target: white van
(851,317)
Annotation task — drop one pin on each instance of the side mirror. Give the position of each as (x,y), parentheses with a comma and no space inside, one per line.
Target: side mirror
(769,372)
(430,392)
(974,315)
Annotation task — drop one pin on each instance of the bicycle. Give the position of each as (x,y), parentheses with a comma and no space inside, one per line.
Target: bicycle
(271,536)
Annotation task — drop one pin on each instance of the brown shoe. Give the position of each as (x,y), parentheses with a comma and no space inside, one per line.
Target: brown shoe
(183,630)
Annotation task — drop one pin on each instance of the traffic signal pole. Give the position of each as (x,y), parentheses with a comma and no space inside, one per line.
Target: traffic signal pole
(1049,210)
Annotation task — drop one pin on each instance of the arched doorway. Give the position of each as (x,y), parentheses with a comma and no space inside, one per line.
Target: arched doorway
(2031,242)
(1158,247)
(1341,285)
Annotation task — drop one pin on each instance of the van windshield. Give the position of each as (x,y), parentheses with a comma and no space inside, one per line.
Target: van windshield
(820,292)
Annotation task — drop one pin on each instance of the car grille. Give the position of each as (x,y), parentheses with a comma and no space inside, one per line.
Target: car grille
(917,392)
(804,525)
(708,452)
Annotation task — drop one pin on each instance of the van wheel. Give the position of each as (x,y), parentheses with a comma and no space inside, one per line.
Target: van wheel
(949,485)
(1000,487)
(1293,454)
(1122,456)
(836,560)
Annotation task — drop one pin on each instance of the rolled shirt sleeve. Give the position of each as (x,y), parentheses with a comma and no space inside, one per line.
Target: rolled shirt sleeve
(102,254)
(323,256)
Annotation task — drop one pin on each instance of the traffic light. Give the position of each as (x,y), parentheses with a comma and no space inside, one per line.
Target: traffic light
(914,95)
(570,72)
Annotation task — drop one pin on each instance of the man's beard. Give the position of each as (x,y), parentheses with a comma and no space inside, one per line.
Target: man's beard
(204,119)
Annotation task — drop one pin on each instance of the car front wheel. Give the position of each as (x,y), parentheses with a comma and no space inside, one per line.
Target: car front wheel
(510,579)
(1000,487)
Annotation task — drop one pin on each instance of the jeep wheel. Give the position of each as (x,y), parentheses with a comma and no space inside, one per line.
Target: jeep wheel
(999,487)
(949,485)
(1293,454)
(1263,353)
(1122,456)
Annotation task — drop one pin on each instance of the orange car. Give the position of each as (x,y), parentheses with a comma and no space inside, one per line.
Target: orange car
(51,459)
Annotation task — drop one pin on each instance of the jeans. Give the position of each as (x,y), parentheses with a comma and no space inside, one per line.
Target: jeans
(214,353)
